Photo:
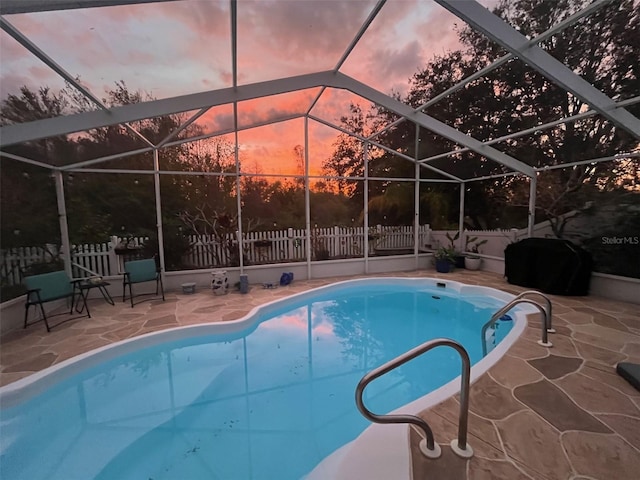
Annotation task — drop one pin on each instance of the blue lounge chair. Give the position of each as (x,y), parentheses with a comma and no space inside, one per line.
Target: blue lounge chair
(48,287)
(139,271)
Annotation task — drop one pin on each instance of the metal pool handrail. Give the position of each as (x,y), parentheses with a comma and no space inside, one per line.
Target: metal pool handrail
(550,328)
(427,446)
(544,341)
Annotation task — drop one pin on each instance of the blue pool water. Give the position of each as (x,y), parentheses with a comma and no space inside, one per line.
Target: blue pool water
(267,402)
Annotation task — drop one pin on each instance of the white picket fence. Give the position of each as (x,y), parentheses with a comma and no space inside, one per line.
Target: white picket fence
(278,246)
(87,260)
(267,247)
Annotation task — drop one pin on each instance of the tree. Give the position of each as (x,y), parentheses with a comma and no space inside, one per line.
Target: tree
(602,48)
(29,215)
(347,160)
(98,205)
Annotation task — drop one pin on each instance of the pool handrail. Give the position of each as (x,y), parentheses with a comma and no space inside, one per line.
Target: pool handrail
(548,305)
(517,300)
(427,446)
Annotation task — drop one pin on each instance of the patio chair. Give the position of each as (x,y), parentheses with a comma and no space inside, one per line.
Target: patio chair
(139,271)
(48,287)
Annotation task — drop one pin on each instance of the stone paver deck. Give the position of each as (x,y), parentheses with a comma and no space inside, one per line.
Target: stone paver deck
(559,413)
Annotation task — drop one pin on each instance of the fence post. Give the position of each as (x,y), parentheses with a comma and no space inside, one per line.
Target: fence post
(290,243)
(114,266)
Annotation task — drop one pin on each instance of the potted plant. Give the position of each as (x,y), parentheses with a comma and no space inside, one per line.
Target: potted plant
(458,258)
(472,262)
(444,259)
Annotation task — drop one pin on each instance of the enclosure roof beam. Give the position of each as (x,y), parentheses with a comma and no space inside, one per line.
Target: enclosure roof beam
(233,8)
(50,127)
(27,160)
(189,121)
(430,123)
(617,157)
(360,33)
(168,144)
(385,148)
(240,128)
(49,62)
(536,129)
(35,50)
(363,28)
(505,35)
(8,7)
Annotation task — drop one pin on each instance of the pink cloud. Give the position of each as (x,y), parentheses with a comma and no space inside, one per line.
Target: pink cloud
(285,38)
(399,42)
(165,42)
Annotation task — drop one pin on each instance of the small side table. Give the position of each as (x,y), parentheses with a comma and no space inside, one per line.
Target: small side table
(85,287)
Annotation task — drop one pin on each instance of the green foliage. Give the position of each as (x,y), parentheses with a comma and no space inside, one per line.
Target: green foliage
(435,207)
(28,211)
(445,253)
(176,245)
(98,205)
(347,159)
(472,244)
(610,231)
(328,209)
(273,204)
(452,239)
(394,206)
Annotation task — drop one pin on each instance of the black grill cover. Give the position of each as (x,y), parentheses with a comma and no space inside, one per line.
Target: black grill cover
(554,266)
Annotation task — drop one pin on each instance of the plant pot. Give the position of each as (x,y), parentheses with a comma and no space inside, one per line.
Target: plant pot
(473,263)
(459,261)
(443,265)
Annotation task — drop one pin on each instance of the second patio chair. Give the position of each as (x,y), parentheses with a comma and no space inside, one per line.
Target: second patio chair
(139,271)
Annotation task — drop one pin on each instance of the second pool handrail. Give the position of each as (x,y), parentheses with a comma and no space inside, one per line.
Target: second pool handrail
(544,341)
(547,304)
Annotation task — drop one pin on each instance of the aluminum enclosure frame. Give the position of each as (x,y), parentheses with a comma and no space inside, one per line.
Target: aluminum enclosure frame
(470,11)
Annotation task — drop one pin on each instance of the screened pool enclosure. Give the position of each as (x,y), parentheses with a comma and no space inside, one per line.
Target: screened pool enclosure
(238,134)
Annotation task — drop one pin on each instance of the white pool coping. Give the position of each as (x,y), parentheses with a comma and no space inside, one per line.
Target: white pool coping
(385,447)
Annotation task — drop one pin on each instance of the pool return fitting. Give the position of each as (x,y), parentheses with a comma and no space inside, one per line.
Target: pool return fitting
(546,312)
(428,446)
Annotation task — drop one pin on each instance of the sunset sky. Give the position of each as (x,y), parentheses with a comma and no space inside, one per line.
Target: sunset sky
(175,48)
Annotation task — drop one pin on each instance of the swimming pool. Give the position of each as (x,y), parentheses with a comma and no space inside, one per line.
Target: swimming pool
(269,396)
